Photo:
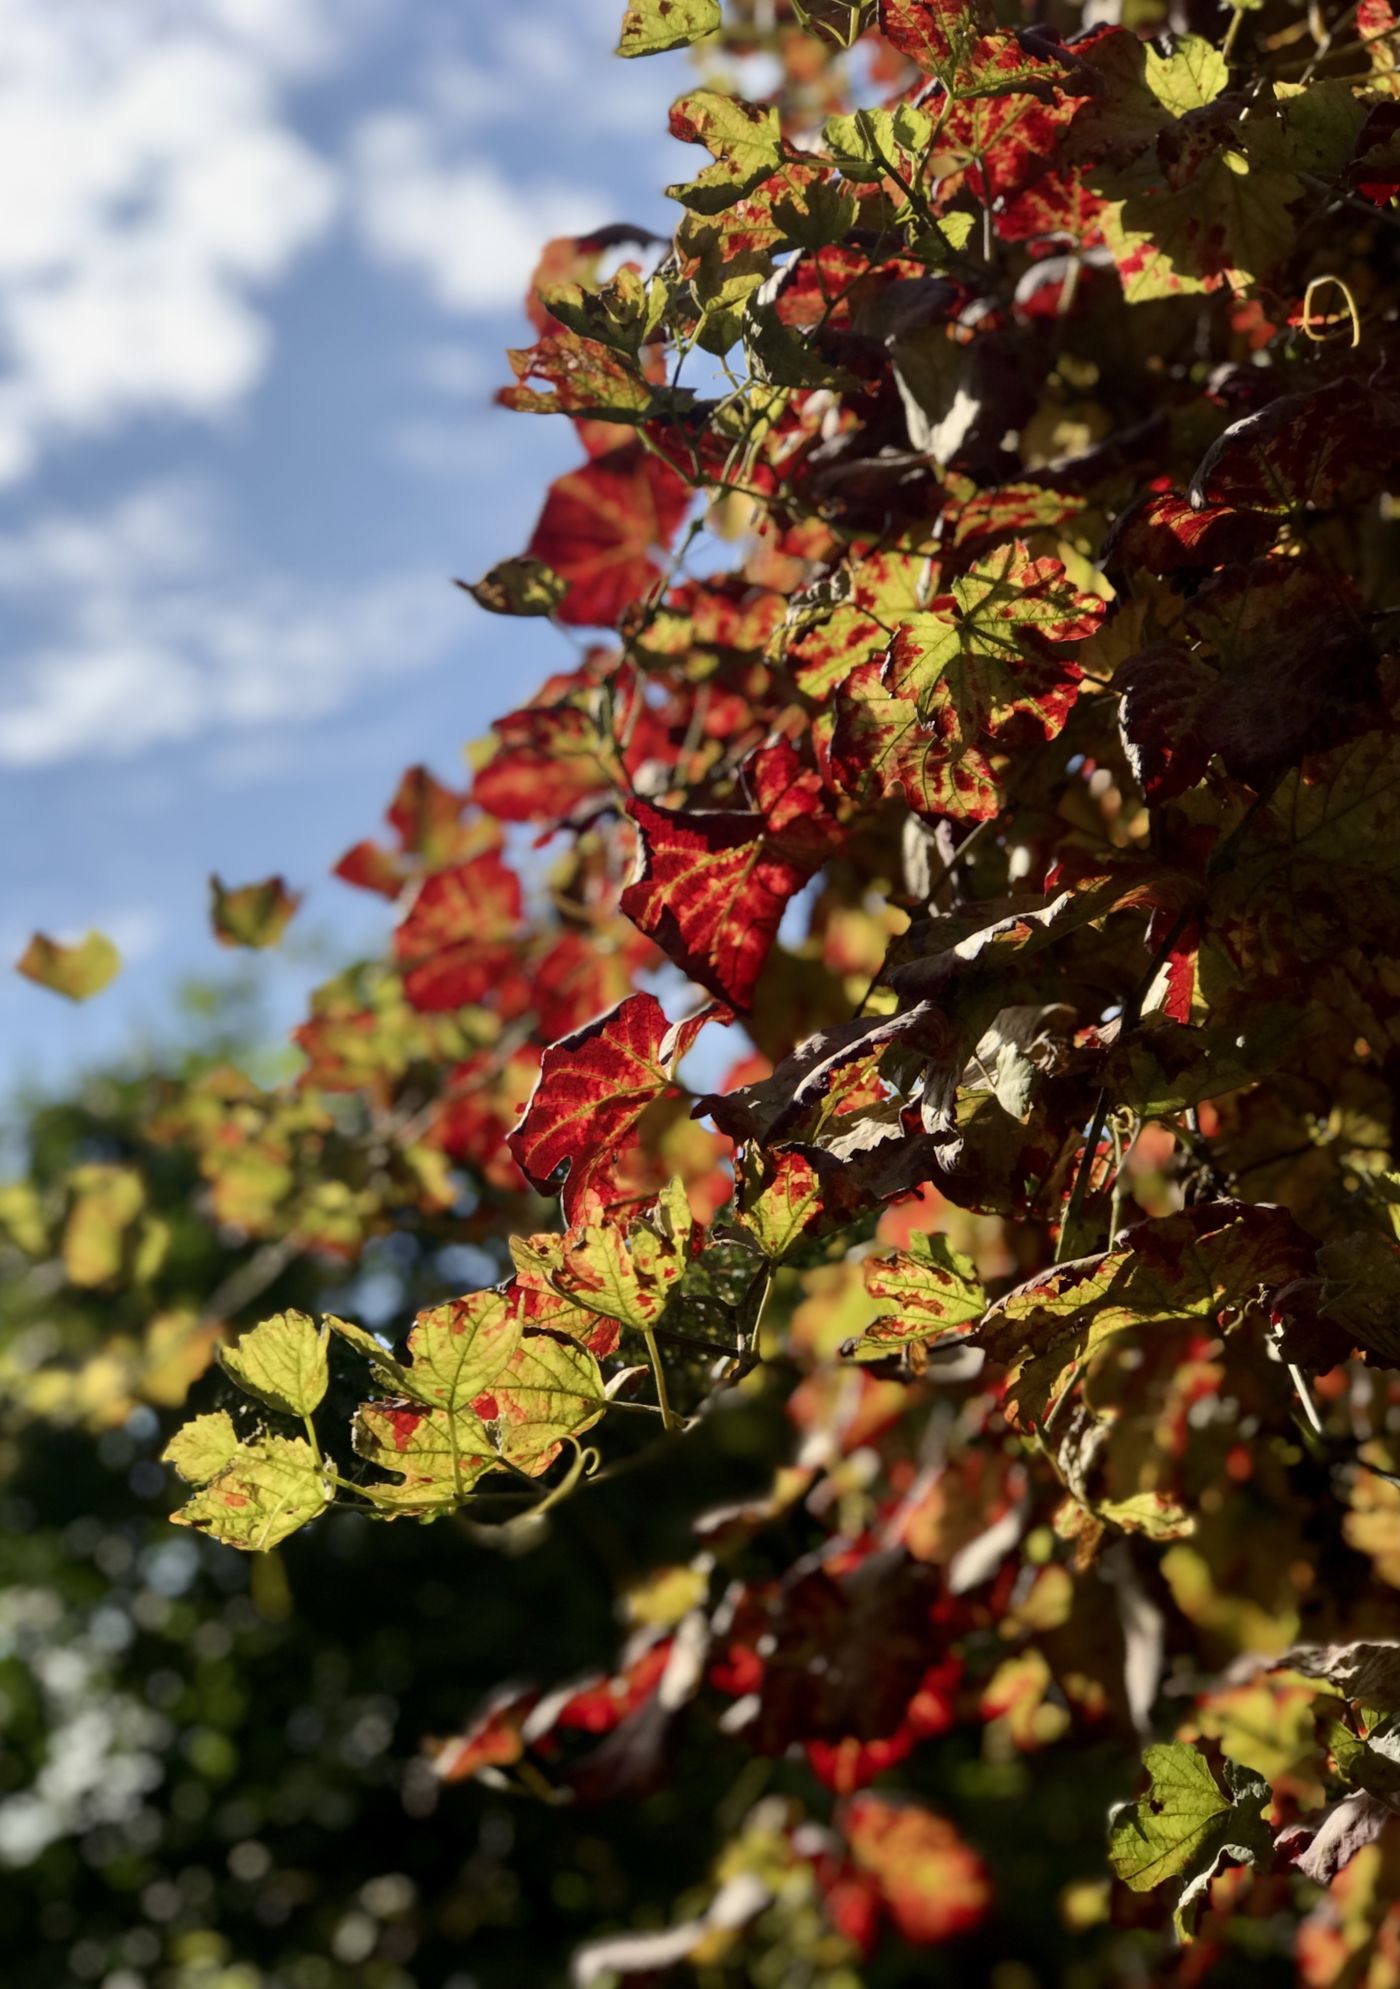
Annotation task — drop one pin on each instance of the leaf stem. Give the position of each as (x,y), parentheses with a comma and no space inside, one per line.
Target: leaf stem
(663,1401)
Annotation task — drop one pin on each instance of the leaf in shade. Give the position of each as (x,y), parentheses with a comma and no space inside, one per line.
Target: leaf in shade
(600,527)
(1333,444)
(78,971)
(593,1087)
(1166,533)
(650,27)
(253,915)
(521,586)
(933,1885)
(270,1488)
(1209,1263)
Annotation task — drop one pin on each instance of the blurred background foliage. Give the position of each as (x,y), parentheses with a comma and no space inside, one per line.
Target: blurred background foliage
(212,1766)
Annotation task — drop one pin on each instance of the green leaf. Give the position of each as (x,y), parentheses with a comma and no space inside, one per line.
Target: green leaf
(1185,1820)
(1188,79)
(282,1362)
(746,140)
(522,586)
(203,1447)
(269,1488)
(546,1393)
(651,27)
(458,1349)
(253,915)
(929,1292)
(77,972)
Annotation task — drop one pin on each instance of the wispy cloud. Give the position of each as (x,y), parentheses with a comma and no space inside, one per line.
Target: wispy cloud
(152,627)
(156,187)
(449,185)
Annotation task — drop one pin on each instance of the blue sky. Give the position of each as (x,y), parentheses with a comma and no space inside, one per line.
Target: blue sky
(255,288)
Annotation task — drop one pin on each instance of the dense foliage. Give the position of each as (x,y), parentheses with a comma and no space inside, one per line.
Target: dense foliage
(902,1035)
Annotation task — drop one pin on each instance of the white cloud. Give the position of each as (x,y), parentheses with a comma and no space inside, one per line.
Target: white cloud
(155,188)
(453,217)
(153,630)
(450,186)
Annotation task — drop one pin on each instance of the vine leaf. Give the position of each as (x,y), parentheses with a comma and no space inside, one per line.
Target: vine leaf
(520,586)
(927,1293)
(599,528)
(268,1489)
(593,1087)
(624,1272)
(711,886)
(1186,1821)
(203,1447)
(1209,1263)
(283,1363)
(651,27)
(78,971)
(252,915)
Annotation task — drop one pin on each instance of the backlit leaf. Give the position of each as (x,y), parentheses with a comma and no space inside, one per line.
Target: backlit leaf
(282,1362)
(650,27)
(78,971)
(254,915)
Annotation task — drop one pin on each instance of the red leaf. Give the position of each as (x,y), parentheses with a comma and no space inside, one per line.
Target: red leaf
(593,1088)
(929,31)
(599,527)
(711,886)
(932,1885)
(460,932)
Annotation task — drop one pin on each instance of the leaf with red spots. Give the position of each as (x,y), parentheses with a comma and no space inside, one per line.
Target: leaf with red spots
(593,1088)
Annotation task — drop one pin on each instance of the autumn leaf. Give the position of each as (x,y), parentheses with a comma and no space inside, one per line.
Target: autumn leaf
(254,915)
(927,1294)
(459,935)
(932,1884)
(203,1447)
(650,27)
(746,141)
(270,1488)
(1211,1263)
(282,1362)
(78,971)
(711,886)
(593,1088)
(522,586)
(600,528)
